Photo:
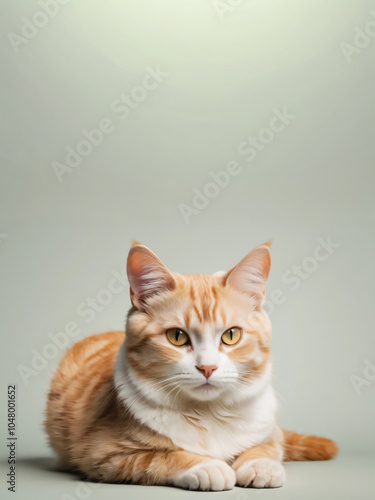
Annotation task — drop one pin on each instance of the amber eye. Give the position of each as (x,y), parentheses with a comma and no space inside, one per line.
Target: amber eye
(176,336)
(231,336)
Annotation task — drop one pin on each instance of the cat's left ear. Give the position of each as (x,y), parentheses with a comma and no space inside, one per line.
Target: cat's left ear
(147,275)
(251,273)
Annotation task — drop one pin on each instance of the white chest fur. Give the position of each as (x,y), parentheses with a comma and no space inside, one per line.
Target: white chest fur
(215,433)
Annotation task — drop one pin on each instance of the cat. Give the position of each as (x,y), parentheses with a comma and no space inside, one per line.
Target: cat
(185,397)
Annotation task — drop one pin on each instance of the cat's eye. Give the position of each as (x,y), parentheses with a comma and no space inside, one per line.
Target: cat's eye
(178,337)
(231,336)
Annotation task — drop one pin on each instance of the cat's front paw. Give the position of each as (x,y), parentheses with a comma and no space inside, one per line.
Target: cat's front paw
(261,473)
(212,475)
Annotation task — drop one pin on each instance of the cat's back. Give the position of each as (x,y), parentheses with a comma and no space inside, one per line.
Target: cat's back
(89,352)
(80,384)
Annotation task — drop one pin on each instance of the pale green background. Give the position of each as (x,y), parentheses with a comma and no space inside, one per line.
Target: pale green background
(316,178)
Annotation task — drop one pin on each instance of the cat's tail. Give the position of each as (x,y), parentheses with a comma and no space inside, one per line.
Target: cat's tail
(300,447)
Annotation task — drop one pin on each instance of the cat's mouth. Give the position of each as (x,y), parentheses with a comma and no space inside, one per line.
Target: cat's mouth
(206,386)
(206,391)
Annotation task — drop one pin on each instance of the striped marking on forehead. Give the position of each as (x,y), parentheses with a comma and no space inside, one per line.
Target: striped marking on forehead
(205,300)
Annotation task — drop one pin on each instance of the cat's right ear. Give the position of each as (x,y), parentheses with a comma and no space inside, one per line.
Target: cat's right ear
(147,275)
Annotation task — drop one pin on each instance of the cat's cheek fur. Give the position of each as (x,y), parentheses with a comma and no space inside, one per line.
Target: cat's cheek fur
(261,473)
(211,475)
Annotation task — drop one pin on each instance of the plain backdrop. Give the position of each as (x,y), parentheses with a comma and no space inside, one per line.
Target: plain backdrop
(221,72)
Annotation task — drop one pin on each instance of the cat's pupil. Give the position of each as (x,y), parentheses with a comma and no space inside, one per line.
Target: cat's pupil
(177,334)
(231,334)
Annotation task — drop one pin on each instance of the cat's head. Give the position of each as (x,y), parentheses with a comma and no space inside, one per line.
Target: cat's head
(201,336)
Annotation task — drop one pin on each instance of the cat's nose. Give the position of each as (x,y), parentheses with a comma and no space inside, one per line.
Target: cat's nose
(207,370)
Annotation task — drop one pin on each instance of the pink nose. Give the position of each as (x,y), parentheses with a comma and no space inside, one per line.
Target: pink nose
(207,370)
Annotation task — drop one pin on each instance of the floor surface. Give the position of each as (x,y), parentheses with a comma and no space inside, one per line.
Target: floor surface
(347,477)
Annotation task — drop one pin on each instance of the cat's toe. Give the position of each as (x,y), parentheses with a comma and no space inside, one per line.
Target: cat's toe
(261,473)
(212,475)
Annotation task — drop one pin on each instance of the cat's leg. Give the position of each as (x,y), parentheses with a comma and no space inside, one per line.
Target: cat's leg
(123,462)
(260,466)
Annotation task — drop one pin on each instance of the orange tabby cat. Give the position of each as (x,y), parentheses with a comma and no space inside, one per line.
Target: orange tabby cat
(185,398)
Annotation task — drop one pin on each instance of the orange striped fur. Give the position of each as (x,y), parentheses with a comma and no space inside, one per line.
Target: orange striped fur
(300,447)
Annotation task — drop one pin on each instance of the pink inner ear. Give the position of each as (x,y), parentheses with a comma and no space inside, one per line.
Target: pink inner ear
(147,274)
(250,275)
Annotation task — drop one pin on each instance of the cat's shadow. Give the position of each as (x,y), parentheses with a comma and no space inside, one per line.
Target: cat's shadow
(51,465)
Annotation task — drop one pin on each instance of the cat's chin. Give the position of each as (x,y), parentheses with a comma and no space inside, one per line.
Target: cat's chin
(205,391)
